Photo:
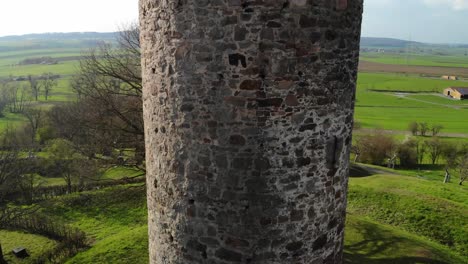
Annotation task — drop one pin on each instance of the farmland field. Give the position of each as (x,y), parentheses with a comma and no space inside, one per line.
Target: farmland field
(417,59)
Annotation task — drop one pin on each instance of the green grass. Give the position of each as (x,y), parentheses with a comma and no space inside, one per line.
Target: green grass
(377,110)
(435,98)
(430,209)
(417,60)
(35,245)
(370,242)
(127,246)
(11,120)
(117,172)
(62,68)
(403,82)
(114,219)
(387,111)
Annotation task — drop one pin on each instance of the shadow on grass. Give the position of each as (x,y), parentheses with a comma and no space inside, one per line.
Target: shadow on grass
(372,244)
(358,259)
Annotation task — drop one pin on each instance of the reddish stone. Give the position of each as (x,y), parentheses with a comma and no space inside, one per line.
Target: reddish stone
(341,4)
(251,85)
(285,84)
(291,100)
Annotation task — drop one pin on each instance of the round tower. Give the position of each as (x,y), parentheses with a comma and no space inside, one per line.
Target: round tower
(248,108)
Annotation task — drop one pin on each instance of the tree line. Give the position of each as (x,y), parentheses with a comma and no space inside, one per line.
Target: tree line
(380,148)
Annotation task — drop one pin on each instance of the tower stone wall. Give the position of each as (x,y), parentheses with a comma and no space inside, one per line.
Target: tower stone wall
(248,108)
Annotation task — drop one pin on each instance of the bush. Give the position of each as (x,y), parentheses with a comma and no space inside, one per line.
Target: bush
(407,153)
(413,127)
(376,148)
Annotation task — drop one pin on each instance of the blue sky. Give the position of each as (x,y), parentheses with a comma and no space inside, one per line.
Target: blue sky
(434,21)
(18,17)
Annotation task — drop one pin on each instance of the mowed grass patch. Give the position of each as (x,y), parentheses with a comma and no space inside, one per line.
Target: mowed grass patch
(62,68)
(427,208)
(119,172)
(35,245)
(437,99)
(11,120)
(113,219)
(387,111)
(403,82)
(370,242)
(127,246)
(15,57)
(416,59)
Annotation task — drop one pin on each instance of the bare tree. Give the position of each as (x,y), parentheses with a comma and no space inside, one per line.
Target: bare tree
(413,127)
(447,176)
(17,97)
(109,87)
(463,169)
(423,128)
(63,156)
(47,83)
(35,88)
(34,117)
(434,148)
(435,129)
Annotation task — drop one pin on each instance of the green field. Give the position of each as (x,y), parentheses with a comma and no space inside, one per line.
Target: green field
(416,59)
(402,82)
(36,245)
(393,111)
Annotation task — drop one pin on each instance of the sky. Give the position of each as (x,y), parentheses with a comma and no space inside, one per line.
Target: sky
(18,17)
(434,21)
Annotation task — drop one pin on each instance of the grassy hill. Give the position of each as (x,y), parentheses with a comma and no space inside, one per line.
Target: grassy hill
(391,219)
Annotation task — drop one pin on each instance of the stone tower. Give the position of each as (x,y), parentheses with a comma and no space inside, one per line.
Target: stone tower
(248,108)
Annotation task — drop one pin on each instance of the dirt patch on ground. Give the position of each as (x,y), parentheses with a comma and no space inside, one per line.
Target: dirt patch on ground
(367,66)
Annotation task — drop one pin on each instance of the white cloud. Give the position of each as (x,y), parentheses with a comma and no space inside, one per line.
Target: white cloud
(454,4)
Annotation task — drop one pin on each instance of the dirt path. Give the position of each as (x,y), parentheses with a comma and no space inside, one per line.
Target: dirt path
(405,95)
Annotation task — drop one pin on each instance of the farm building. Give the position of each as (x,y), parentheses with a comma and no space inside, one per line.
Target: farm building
(457,92)
(450,77)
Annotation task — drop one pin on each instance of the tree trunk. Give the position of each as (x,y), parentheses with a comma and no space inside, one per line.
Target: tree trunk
(248,108)
(447,176)
(2,259)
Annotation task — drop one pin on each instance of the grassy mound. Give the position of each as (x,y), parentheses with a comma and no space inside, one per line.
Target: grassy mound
(129,246)
(426,208)
(370,242)
(35,245)
(115,219)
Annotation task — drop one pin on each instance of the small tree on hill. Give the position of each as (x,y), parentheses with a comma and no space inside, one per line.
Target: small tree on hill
(413,127)
(34,85)
(435,129)
(407,153)
(423,128)
(434,148)
(463,169)
(47,82)
(63,155)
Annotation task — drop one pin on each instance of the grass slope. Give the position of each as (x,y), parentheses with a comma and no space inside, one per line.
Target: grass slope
(35,245)
(114,219)
(428,208)
(370,242)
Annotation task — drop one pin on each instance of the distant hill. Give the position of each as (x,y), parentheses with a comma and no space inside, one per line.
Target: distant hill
(55,40)
(387,42)
(61,36)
